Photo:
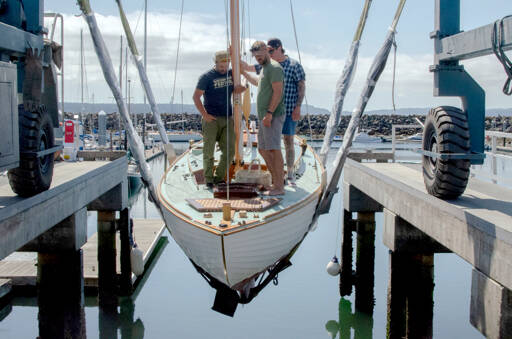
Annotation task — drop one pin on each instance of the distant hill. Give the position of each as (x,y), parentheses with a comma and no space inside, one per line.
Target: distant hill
(176,108)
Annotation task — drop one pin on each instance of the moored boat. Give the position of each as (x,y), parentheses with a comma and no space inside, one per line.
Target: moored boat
(262,230)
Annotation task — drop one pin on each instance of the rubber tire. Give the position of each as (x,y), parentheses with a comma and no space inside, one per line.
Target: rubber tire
(446,131)
(34,175)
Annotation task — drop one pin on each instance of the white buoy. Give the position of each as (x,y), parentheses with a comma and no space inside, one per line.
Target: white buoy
(333,267)
(137,260)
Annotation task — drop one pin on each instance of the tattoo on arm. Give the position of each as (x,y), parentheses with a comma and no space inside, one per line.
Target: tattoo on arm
(302,92)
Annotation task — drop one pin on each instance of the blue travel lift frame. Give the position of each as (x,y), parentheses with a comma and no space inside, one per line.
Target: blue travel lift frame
(451,45)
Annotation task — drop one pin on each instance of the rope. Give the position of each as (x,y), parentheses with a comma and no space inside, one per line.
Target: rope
(305,96)
(338,231)
(177,53)
(497,47)
(138,19)
(300,60)
(394,76)
(242,33)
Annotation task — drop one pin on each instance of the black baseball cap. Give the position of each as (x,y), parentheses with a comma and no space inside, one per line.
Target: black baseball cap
(274,43)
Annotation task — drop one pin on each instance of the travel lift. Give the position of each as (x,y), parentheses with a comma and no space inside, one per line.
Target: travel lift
(453,139)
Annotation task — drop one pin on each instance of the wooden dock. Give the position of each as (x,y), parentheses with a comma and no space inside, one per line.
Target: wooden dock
(21,269)
(153,152)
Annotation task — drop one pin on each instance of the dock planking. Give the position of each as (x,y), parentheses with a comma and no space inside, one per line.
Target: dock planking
(22,270)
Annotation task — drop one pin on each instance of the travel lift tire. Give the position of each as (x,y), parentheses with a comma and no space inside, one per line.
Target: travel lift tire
(34,175)
(446,131)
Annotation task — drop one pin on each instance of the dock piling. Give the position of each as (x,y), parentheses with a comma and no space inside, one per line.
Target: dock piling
(125,229)
(107,275)
(60,296)
(346,278)
(410,295)
(491,307)
(365,262)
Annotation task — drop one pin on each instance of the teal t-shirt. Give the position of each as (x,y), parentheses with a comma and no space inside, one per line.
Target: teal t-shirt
(271,72)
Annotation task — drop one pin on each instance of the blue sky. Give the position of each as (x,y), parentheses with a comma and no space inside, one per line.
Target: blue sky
(325,30)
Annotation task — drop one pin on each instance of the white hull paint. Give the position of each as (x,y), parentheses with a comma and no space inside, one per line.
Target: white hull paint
(234,256)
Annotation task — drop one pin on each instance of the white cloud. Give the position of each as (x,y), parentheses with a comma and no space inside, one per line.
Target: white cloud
(202,35)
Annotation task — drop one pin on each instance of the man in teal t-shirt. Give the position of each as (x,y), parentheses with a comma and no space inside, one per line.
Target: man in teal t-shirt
(271,115)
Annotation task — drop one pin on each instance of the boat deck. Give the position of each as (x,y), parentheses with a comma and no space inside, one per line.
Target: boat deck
(179,184)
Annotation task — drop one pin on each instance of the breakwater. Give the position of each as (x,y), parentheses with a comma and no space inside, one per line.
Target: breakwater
(373,124)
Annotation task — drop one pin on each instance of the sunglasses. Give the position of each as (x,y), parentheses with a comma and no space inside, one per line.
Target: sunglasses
(271,50)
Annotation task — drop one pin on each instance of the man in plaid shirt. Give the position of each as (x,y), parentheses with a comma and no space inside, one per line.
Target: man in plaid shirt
(294,91)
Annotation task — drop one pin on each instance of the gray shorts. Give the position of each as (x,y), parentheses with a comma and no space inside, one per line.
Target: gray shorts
(269,138)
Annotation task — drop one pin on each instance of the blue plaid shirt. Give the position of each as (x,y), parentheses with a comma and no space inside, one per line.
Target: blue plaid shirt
(293,74)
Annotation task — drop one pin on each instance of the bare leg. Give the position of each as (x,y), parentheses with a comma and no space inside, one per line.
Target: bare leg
(267,156)
(278,164)
(290,154)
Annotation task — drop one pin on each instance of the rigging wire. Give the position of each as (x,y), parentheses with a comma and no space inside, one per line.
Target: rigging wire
(242,34)
(177,53)
(300,60)
(497,47)
(249,19)
(394,76)
(138,19)
(338,227)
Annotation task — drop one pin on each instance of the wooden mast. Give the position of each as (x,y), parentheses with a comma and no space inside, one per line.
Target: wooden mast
(235,64)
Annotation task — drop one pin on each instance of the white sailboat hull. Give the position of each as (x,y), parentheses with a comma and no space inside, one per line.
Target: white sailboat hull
(232,257)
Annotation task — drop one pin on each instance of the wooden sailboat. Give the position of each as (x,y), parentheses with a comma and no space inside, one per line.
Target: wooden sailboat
(237,243)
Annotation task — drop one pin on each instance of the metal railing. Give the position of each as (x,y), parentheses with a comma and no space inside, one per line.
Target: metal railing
(493,157)
(394,140)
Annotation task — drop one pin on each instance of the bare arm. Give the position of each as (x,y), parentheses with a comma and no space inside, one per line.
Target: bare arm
(251,78)
(246,67)
(277,93)
(199,105)
(239,89)
(301,86)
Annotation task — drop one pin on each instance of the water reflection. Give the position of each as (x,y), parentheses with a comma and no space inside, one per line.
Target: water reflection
(360,322)
(111,320)
(410,287)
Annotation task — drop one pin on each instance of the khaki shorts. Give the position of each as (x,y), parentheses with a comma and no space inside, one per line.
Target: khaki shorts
(269,138)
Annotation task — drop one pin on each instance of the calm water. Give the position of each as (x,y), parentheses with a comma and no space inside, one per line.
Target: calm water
(175,302)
